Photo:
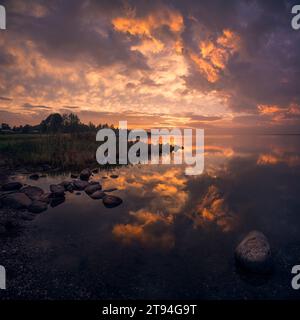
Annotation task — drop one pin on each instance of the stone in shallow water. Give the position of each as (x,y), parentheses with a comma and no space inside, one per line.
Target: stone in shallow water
(37,207)
(34,176)
(66,184)
(17,200)
(85,174)
(32,192)
(11,186)
(254,253)
(57,190)
(98,195)
(80,185)
(114,176)
(111,201)
(92,188)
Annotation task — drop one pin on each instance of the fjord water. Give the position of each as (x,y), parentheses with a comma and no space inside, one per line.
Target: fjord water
(174,235)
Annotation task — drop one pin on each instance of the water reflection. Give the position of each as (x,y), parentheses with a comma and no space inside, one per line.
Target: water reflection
(190,224)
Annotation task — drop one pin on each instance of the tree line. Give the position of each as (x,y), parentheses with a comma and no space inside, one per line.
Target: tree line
(56,123)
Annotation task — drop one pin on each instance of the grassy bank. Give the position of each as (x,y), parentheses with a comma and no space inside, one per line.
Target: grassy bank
(57,150)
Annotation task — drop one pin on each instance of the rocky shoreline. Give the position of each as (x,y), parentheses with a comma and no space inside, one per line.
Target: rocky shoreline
(20,202)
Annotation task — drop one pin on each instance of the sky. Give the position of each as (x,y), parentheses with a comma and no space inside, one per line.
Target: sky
(219,65)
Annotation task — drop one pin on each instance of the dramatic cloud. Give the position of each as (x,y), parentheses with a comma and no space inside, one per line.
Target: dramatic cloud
(214,64)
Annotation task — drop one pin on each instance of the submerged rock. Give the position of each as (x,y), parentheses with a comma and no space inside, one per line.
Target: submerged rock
(111,201)
(17,200)
(37,206)
(254,253)
(85,174)
(114,176)
(57,191)
(12,186)
(98,195)
(80,185)
(92,188)
(32,192)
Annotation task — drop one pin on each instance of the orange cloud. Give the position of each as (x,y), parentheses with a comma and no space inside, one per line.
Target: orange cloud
(267,159)
(214,56)
(213,209)
(268,109)
(150,229)
(273,159)
(223,151)
(145,27)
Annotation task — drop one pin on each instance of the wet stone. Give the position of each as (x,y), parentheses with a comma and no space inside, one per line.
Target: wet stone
(33,192)
(85,174)
(111,201)
(57,190)
(92,188)
(17,200)
(254,253)
(98,195)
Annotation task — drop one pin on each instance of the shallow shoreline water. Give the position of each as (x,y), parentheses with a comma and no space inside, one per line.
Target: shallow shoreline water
(172,237)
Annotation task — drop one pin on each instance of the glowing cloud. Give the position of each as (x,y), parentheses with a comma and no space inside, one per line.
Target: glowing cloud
(146,27)
(214,55)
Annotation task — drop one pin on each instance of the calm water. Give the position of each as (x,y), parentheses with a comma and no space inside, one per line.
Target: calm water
(174,236)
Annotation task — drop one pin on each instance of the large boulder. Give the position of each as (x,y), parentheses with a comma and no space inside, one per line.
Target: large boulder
(37,206)
(92,188)
(17,200)
(32,192)
(98,195)
(57,191)
(80,185)
(11,186)
(85,174)
(254,253)
(111,201)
